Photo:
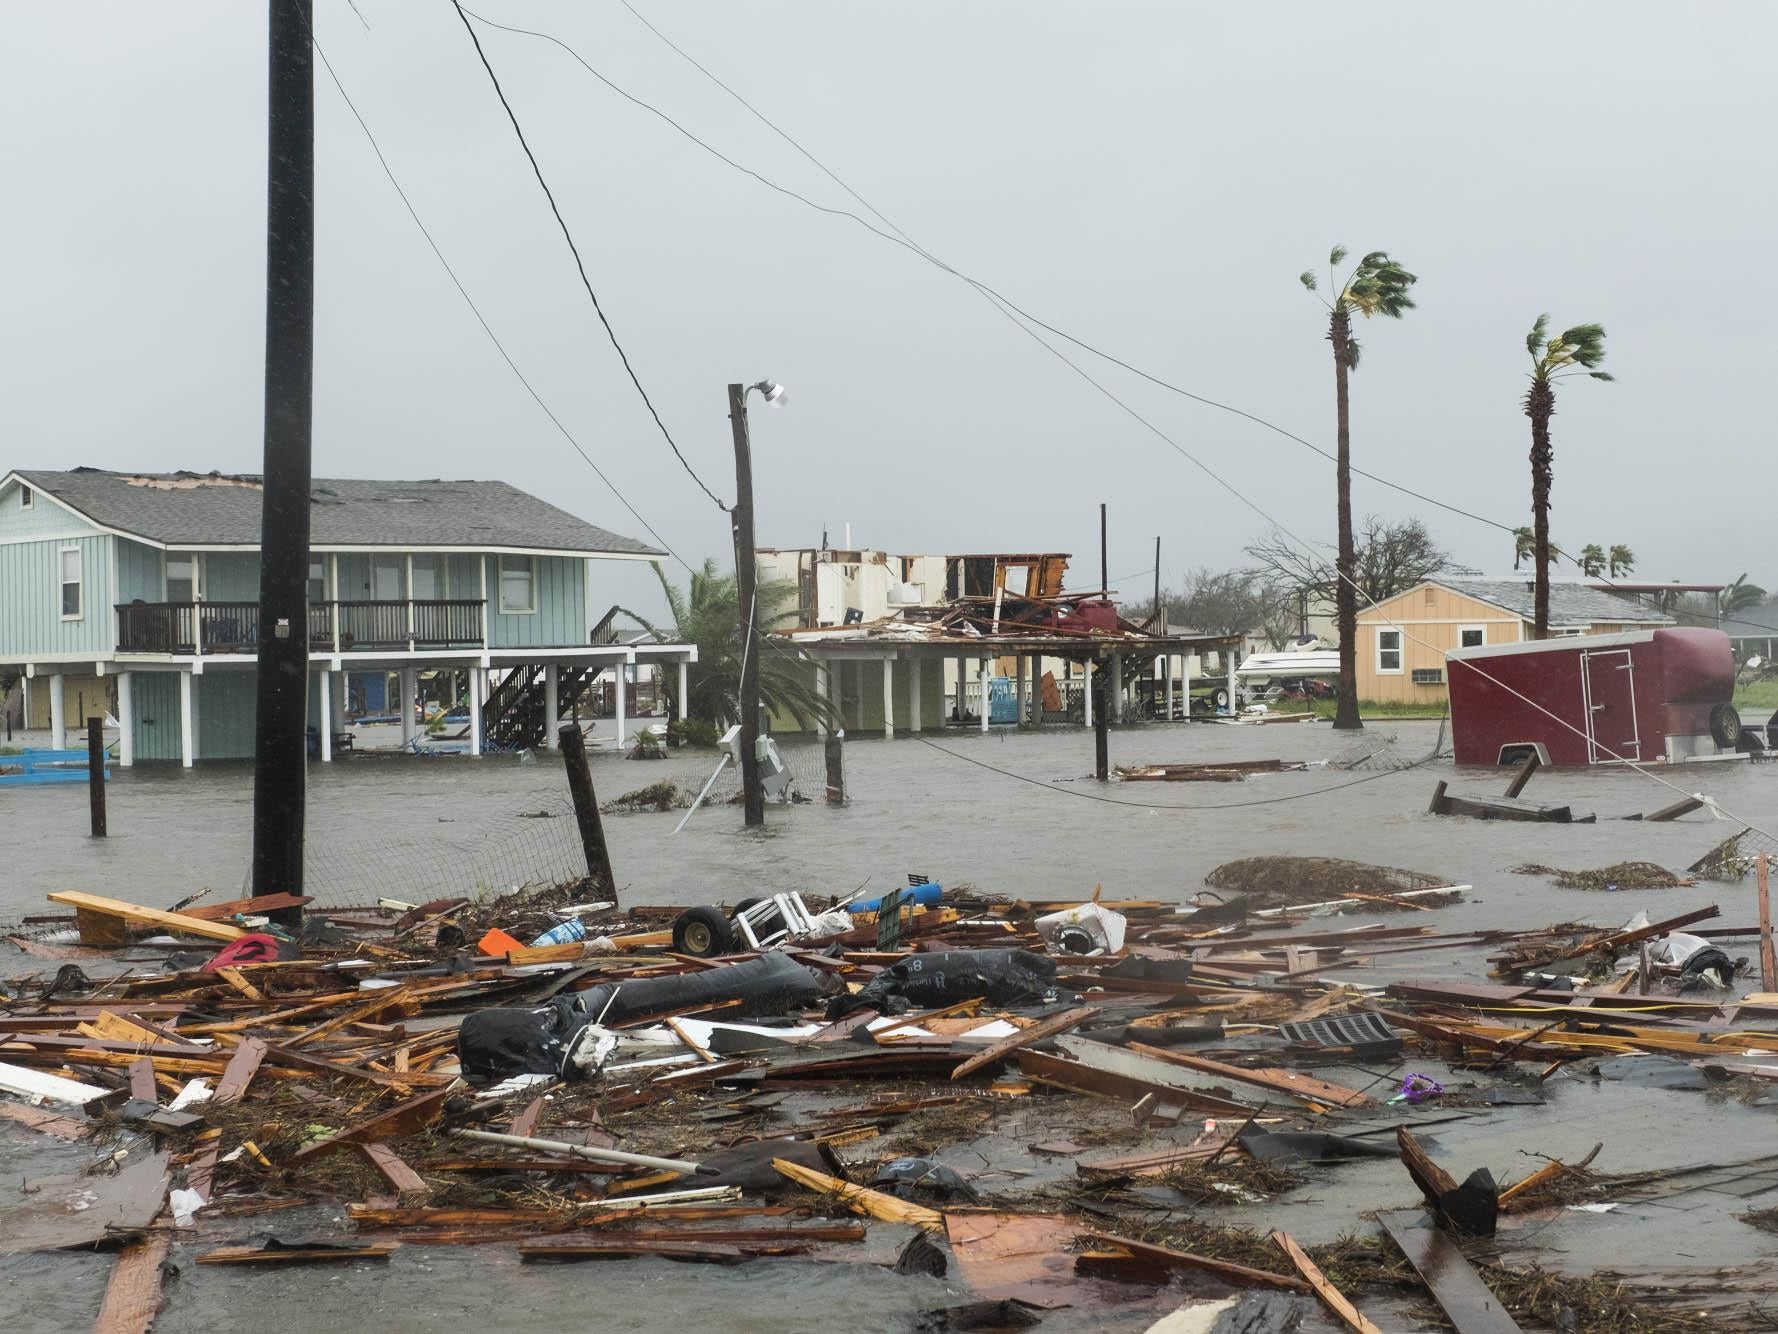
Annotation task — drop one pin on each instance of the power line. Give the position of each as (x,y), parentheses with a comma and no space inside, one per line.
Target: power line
(579,264)
(902,238)
(476,310)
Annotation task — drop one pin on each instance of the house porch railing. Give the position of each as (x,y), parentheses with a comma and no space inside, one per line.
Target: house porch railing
(198,628)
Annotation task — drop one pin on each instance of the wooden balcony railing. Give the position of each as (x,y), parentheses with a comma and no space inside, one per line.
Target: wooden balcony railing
(186,628)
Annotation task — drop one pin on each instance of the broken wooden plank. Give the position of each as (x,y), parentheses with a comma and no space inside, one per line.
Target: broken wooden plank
(1673,812)
(37,1087)
(34,1118)
(92,909)
(1530,766)
(1471,1207)
(1305,1087)
(312,1253)
(141,1073)
(1454,1284)
(1083,1078)
(239,1071)
(1331,1297)
(407,1183)
(861,1199)
(1043,1028)
(133,1294)
(1162,1258)
(402,1119)
(1768,959)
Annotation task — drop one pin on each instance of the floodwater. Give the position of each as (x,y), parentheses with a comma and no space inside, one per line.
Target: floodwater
(1055,834)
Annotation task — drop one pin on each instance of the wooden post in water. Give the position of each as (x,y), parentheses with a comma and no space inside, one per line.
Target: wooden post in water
(95,775)
(1768,959)
(1101,726)
(836,766)
(586,807)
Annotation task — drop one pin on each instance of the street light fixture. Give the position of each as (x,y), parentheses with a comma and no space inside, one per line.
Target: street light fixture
(741,516)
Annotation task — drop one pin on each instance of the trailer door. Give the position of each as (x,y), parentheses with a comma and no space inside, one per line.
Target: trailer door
(1609,682)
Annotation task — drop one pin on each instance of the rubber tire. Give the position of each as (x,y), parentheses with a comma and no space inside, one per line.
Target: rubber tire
(702,933)
(1725,726)
(1071,936)
(1219,698)
(744,905)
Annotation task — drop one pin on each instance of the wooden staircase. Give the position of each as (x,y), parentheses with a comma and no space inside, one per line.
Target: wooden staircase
(514,716)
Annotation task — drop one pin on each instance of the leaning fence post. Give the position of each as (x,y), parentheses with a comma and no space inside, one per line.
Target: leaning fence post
(1768,958)
(586,807)
(95,772)
(836,766)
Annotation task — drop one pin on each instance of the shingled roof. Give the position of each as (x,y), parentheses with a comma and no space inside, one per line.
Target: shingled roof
(220,509)
(1570,603)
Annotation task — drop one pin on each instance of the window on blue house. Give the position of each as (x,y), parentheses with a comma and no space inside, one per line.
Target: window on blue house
(26,499)
(518,584)
(69,571)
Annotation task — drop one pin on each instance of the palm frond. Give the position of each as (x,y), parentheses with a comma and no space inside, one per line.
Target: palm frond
(1307,279)
(1352,352)
(1336,257)
(1600,375)
(1586,344)
(1534,339)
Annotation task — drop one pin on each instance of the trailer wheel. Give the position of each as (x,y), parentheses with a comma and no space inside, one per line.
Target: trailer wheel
(1219,698)
(702,932)
(1725,726)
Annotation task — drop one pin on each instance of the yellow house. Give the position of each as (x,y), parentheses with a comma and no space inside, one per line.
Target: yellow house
(1402,641)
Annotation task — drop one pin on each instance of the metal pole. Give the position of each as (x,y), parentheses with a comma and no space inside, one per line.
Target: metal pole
(95,772)
(586,807)
(754,795)
(283,638)
(1104,564)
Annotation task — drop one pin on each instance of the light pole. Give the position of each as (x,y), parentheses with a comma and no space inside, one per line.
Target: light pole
(741,516)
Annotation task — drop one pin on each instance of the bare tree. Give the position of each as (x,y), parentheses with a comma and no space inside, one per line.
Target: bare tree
(1230,602)
(1390,558)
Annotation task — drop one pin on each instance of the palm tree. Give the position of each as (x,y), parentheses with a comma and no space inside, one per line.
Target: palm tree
(1739,596)
(707,614)
(1524,543)
(1592,560)
(1552,359)
(1621,560)
(1377,285)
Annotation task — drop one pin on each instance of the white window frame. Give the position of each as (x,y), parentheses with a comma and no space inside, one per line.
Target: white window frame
(1481,630)
(79,582)
(1400,651)
(27,497)
(506,608)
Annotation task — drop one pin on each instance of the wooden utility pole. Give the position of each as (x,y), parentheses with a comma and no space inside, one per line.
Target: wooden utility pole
(1768,958)
(753,794)
(572,742)
(281,723)
(1101,725)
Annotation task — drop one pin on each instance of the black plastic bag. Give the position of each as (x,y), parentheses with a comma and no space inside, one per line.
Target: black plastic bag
(923,1180)
(496,1044)
(931,981)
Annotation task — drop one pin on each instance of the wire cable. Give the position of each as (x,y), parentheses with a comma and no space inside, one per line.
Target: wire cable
(481,319)
(579,264)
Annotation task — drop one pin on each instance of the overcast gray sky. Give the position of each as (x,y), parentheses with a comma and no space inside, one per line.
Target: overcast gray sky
(1150,177)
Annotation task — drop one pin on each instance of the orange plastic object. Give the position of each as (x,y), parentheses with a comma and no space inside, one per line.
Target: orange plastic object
(498,942)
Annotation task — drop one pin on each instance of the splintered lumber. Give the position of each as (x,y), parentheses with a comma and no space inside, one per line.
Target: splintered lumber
(1161,1258)
(1304,1087)
(407,1182)
(402,1119)
(314,1253)
(1080,1077)
(98,919)
(255,907)
(1548,1172)
(49,1123)
(1677,809)
(1331,1297)
(133,1294)
(1043,1028)
(241,1068)
(861,1199)
(34,1086)
(612,1248)
(1471,1207)
(1454,1284)
(1530,766)
(142,1085)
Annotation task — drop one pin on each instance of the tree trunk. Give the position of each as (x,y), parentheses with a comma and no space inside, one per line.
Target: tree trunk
(1339,333)
(1540,406)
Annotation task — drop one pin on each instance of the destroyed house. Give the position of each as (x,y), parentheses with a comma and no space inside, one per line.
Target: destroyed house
(150,582)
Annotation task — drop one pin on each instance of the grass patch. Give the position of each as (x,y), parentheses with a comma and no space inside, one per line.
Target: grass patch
(1757,694)
(1367,708)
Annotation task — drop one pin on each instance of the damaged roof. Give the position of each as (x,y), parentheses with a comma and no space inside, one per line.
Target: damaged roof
(220,509)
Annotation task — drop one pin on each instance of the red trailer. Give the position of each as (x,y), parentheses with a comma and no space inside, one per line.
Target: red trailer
(1652,696)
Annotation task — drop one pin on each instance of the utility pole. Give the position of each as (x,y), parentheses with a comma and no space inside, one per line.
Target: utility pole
(1101,688)
(280,751)
(753,794)
(1104,564)
(1157,575)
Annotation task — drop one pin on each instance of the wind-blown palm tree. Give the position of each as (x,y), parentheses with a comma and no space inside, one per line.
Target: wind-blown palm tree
(1739,596)
(1592,560)
(1524,543)
(1576,351)
(707,614)
(1621,560)
(1377,285)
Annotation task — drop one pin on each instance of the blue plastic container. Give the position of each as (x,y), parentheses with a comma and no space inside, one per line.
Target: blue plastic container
(572,929)
(925,896)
